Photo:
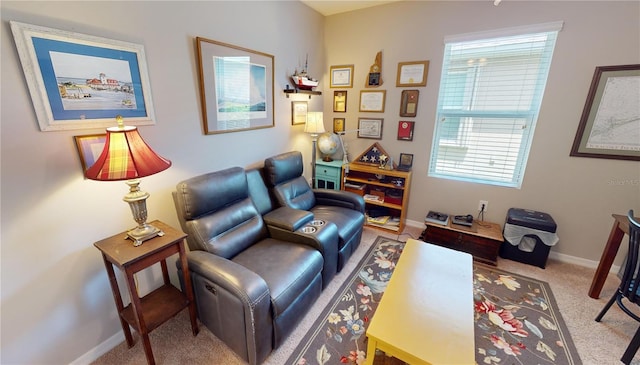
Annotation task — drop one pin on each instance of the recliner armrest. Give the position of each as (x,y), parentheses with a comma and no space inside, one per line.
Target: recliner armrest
(339,198)
(248,286)
(287,218)
(323,239)
(234,303)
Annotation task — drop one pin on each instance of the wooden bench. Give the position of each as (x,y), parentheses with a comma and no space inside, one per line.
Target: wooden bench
(426,313)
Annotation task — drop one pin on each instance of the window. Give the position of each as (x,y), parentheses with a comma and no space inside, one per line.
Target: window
(490,94)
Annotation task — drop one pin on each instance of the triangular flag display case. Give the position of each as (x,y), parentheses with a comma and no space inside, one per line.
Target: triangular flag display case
(375,155)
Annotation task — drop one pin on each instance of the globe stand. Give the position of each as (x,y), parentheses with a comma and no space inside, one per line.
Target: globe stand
(327,158)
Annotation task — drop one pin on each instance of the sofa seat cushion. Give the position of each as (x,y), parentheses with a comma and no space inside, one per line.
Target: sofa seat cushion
(348,221)
(287,268)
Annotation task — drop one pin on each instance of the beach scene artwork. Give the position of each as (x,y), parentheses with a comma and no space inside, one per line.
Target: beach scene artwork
(93,83)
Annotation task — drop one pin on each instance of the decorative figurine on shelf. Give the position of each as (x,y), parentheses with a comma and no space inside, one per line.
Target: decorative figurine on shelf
(374,78)
(383,161)
(302,80)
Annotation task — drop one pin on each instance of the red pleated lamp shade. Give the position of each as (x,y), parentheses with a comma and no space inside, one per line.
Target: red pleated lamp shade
(126,156)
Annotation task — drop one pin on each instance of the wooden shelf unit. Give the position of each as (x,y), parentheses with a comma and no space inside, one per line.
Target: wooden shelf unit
(369,176)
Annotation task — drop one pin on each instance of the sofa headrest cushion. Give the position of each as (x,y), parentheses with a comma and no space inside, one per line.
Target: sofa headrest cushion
(283,167)
(211,192)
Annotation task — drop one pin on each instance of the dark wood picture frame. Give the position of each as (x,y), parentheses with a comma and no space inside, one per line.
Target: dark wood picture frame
(611,118)
(89,147)
(409,103)
(405,130)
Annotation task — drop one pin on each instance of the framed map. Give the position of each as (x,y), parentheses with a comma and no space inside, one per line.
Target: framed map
(610,122)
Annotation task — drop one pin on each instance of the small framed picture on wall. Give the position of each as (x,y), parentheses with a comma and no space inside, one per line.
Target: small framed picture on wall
(338,125)
(409,103)
(340,101)
(299,112)
(370,128)
(405,130)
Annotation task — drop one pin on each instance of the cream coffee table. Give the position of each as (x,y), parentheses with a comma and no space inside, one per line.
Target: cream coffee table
(426,313)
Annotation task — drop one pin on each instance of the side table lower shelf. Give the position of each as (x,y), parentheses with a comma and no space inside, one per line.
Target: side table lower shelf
(162,303)
(482,240)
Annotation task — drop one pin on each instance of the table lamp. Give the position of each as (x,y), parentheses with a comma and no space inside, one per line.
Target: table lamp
(126,156)
(315,127)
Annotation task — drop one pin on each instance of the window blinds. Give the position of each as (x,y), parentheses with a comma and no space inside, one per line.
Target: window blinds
(490,94)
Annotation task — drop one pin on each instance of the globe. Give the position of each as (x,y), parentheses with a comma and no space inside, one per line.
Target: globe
(328,145)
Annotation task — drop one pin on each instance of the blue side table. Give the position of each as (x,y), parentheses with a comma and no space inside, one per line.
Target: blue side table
(328,174)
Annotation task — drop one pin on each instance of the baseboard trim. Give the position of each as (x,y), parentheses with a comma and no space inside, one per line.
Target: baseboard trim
(552,255)
(93,354)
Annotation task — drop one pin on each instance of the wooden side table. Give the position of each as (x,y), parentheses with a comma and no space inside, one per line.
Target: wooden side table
(328,174)
(147,313)
(482,239)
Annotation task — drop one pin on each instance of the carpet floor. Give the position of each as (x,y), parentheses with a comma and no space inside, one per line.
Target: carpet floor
(597,343)
(516,318)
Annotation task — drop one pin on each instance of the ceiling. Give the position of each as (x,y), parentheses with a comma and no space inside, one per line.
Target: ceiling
(330,7)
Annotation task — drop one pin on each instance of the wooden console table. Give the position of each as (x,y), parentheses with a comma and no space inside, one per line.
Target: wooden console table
(147,313)
(482,239)
(618,230)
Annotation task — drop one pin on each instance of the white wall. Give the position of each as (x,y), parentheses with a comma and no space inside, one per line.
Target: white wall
(56,300)
(579,193)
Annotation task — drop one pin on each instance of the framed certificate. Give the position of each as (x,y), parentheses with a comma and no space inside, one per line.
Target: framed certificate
(370,128)
(372,100)
(342,76)
(412,73)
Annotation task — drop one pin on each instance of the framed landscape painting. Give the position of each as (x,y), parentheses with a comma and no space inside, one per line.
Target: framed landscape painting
(79,81)
(236,87)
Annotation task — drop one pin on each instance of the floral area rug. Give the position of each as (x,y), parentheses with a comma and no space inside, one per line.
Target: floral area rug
(516,318)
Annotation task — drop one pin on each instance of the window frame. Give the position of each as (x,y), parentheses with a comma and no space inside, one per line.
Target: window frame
(464,110)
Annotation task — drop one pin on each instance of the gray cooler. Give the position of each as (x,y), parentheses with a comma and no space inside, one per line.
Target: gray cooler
(529,236)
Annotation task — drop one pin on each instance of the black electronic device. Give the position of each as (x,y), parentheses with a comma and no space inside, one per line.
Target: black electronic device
(437,218)
(463,220)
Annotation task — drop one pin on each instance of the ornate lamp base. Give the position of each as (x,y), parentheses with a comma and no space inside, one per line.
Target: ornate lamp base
(142,233)
(138,203)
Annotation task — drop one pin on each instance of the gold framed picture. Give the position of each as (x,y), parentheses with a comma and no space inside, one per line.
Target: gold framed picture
(340,101)
(372,100)
(338,125)
(341,76)
(412,73)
